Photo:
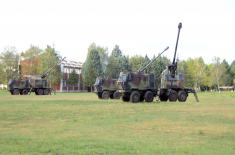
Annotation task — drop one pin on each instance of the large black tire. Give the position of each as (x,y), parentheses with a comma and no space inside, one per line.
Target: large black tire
(135,97)
(126,98)
(141,98)
(173,96)
(105,95)
(116,95)
(111,95)
(39,91)
(163,97)
(46,91)
(148,96)
(182,96)
(24,92)
(15,91)
(99,95)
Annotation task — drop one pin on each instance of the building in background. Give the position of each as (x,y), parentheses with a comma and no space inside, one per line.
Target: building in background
(67,68)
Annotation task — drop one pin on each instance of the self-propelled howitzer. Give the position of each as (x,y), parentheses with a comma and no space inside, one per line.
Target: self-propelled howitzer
(39,84)
(32,83)
(172,83)
(106,88)
(138,86)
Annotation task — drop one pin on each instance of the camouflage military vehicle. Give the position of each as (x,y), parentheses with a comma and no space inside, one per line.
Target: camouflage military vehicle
(138,86)
(16,87)
(32,83)
(172,82)
(106,88)
(39,85)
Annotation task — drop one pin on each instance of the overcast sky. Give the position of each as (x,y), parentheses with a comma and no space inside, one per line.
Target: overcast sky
(139,27)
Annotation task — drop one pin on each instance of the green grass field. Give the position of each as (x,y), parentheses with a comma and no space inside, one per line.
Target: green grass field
(80,123)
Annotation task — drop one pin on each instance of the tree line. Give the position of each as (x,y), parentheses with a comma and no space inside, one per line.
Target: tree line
(38,62)
(198,74)
(99,62)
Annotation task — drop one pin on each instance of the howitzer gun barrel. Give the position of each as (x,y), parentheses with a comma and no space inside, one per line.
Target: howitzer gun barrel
(45,74)
(142,69)
(176,46)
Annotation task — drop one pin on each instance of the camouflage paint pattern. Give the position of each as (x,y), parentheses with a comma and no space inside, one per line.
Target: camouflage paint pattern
(103,84)
(18,84)
(39,83)
(168,82)
(136,81)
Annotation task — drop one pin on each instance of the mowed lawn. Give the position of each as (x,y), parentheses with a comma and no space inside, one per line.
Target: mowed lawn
(80,123)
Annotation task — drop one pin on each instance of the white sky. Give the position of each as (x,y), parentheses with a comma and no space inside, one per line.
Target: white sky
(138,27)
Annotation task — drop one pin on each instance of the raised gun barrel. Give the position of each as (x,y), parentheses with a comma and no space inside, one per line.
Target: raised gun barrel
(142,69)
(173,66)
(176,46)
(45,74)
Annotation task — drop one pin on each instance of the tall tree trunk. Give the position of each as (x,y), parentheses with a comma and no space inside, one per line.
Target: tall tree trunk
(218,86)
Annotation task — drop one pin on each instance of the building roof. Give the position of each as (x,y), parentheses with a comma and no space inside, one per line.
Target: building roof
(73,64)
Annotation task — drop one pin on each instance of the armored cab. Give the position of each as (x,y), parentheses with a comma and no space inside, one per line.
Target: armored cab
(16,87)
(138,86)
(40,86)
(172,82)
(106,88)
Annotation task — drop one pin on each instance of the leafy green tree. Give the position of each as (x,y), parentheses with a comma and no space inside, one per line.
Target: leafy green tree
(2,73)
(232,71)
(159,66)
(49,60)
(32,52)
(227,78)
(103,55)
(32,57)
(9,64)
(125,63)
(207,81)
(136,62)
(217,71)
(145,63)
(117,63)
(73,79)
(183,67)
(92,67)
(195,71)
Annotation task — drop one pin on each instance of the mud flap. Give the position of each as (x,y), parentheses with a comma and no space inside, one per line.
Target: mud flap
(196,97)
(30,90)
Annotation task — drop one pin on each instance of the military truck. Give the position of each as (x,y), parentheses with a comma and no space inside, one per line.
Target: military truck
(106,88)
(32,83)
(40,86)
(138,86)
(172,82)
(16,87)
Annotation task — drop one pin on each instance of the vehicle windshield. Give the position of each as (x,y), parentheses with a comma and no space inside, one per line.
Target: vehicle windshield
(97,81)
(10,81)
(122,77)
